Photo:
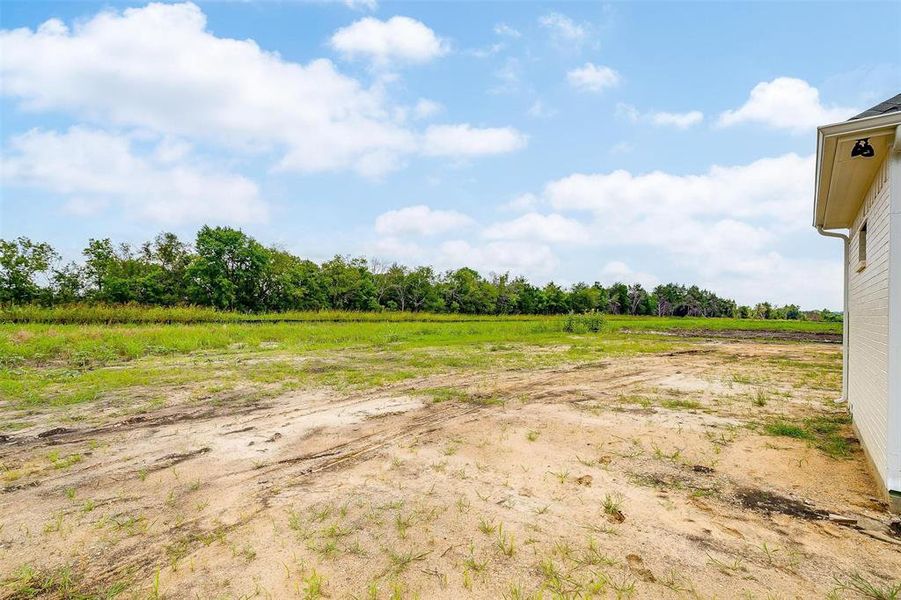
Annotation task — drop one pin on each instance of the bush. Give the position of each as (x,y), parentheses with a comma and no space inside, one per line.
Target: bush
(591,322)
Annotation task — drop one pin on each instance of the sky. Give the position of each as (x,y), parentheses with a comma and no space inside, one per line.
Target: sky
(567,141)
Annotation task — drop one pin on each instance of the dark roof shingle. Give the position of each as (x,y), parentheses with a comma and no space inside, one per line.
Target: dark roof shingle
(891,105)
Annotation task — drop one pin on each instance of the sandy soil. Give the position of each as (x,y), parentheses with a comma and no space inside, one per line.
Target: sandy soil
(581,482)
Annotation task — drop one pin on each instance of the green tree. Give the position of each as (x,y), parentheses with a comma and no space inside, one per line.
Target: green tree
(583,298)
(618,298)
(228,270)
(465,291)
(555,300)
(348,284)
(21,262)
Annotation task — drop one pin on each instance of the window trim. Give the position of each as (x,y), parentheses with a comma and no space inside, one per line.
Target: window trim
(862,246)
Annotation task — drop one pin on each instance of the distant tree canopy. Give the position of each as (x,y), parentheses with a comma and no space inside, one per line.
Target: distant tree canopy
(229,270)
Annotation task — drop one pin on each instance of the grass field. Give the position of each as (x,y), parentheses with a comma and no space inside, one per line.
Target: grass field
(75,354)
(186,453)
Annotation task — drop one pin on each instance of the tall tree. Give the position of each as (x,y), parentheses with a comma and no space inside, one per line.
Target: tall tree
(21,263)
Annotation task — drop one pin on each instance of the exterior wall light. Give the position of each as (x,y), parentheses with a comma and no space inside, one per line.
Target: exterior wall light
(863,148)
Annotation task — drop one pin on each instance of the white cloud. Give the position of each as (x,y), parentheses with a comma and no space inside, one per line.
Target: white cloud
(593,78)
(420,220)
(158,69)
(563,29)
(362,4)
(540,111)
(678,120)
(552,228)
(508,77)
(617,271)
(426,108)
(463,140)
(778,189)
(722,227)
(94,170)
(487,51)
(682,120)
(397,40)
(785,103)
(505,30)
(522,203)
(520,258)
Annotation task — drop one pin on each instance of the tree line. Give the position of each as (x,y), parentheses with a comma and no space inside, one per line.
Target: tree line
(229,270)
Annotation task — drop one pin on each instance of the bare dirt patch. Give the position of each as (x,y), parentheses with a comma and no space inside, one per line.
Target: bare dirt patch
(640,476)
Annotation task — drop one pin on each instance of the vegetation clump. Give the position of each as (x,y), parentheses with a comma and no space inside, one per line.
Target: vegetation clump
(828,432)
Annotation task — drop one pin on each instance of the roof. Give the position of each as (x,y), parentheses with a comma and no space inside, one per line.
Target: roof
(842,180)
(891,105)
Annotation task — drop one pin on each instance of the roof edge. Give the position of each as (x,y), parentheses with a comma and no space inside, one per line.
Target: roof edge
(825,132)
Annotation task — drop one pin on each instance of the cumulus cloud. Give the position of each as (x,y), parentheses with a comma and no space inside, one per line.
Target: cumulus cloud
(519,258)
(593,78)
(463,140)
(785,103)
(551,228)
(618,271)
(563,29)
(397,40)
(426,108)
(504,30)
(539,110)
(722,226)
(420,220)
(157,68)
(94,170)
(521,203)
(778,189)
(682,120)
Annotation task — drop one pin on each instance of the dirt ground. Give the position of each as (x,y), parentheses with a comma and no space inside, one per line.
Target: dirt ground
(640,476)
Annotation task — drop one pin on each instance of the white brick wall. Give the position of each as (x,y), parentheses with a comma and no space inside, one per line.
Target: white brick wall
(868,307)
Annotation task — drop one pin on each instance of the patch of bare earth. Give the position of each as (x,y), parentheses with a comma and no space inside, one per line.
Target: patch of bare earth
(634,476)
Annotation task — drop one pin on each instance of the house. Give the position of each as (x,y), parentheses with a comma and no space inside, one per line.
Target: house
(858,190)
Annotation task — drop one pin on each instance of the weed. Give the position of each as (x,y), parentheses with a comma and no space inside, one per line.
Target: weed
(613,504)
(726,568)
(505,543)
(561,476)
(760,398)
(399,562)
(532,435)
(321,514)
(486,527)
(60,462)
(313,584)
(681,403)
(856,582)
(402,523)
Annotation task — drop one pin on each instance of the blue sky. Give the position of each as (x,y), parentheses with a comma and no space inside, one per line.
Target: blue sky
(566,141)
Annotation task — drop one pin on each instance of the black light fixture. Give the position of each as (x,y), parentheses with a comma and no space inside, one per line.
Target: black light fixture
(863,148)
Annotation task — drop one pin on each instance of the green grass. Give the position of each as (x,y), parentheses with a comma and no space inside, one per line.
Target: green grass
(829,432)
(84,314)
(62,364)
(59,361)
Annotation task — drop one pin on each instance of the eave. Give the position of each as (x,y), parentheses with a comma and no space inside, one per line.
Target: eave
(842,182)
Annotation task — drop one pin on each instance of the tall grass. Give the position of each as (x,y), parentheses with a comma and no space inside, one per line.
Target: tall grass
(84,314)
(87,314)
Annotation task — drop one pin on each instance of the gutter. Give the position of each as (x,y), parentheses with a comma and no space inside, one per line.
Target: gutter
(846,325)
